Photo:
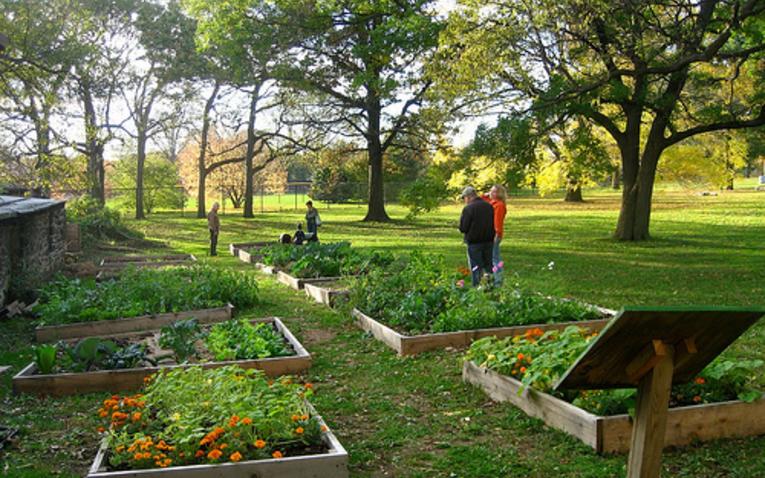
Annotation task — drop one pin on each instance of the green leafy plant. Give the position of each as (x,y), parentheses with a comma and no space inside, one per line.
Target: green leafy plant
(195,416)
(238,339)
(538,359)
(45,358)
(181,337)
(94,353)
(145,291)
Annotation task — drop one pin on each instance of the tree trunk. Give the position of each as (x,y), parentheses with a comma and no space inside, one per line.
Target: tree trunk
(249,186)
(141,160)
(201,167)
(574,193)
(635,213)
(615,180)
(94,149)
(376,206)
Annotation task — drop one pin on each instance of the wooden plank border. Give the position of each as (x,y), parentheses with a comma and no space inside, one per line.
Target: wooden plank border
(408,345)
(28,380)
(613,434)
(298,283)
(130,324)
(333,464)
(325,295)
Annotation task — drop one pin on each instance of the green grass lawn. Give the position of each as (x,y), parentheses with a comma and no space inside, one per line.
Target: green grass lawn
(413,417)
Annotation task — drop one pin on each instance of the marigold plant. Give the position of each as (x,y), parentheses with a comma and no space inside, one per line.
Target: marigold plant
(196,416)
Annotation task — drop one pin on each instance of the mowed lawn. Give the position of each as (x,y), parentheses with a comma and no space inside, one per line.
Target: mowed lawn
(414,417)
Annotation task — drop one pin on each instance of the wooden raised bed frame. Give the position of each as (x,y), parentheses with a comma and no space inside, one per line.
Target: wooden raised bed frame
(129,324)
(323,294)
(298,283)
(147,261)
(613,434)
(28,380)
(333,464)
(408,345)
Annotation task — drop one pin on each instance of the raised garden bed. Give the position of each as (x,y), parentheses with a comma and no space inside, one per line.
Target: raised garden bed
(298,283)
(325,293)
(111,267)
(407,345)
(332,464)
(235,248)
(613,434)
(129,324)
(29,380)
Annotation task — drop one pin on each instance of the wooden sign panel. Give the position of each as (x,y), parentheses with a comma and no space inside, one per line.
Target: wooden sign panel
(633,342)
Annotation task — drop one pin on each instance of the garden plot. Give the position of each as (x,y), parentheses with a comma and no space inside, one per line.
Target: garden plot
(111,267)
(612,434)
(710,397)
(408,345)
(327,292)
(240,425)
(129,324)
(145,349)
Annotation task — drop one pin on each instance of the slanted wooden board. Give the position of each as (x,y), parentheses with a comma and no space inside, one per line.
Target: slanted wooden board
(332,464)
(130,324)
(604,364)
(408,345)
(651,348)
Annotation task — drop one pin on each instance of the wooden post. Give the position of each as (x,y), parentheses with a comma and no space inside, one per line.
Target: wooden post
(651,417)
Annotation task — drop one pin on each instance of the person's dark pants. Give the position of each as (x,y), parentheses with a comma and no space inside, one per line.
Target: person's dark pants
(480,260)
(213,242)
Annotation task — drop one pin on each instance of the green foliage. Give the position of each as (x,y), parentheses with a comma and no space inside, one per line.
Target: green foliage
(539,359)
(188,414)
(160,183)
(421,295)
(45,358)
(422,196)
(181,337)
(145,291)
(238,339)
(315,259)
(94,353)
(98,223)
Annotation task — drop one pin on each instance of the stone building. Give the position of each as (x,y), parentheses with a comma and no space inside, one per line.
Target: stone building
(32,243)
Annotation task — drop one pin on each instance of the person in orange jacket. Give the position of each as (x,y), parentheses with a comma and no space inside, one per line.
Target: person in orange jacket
(497,197)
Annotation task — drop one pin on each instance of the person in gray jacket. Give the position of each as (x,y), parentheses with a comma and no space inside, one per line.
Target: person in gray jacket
(477,226)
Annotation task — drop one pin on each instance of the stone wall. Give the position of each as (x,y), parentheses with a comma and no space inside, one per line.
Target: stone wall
(32,243)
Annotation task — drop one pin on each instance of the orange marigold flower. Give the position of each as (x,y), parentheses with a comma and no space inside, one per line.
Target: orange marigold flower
(246,421)
(138,456)
(260,444)
(521,356)
(299,430)
(295,417)
(276,454)
(697,399)
(324,429)
(101,429)
(136,416)
(523,369)
(308,386)
(215,454)
(700,381)
(304,417)
(200,453)
(235,418)
(236,457)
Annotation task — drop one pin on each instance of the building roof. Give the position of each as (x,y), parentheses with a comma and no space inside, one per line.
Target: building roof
(13,206)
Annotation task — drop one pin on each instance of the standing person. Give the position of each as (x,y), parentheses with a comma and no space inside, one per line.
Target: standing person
(497,197)
(312,221)
(477,225)
(213,224)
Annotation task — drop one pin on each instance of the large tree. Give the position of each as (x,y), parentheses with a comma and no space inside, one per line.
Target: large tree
(649,72)
(359,65)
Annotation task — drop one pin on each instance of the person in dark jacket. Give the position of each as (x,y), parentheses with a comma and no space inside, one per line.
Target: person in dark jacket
(477,226)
